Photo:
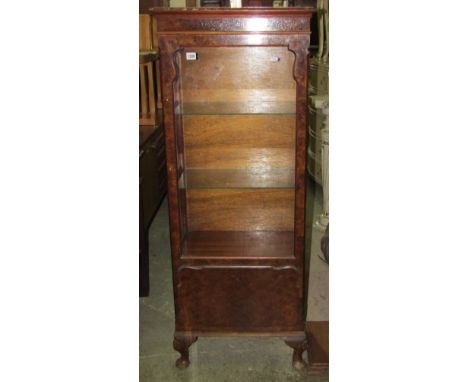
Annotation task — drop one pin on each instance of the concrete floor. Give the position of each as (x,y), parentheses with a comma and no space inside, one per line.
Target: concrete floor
(317,296)
(215,359)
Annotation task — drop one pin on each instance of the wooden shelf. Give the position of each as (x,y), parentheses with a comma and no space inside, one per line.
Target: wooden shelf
(237,178)
(236,244)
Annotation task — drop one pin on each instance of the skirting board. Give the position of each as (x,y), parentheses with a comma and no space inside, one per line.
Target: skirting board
(317,335)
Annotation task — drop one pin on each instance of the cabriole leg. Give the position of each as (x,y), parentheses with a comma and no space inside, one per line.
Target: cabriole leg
(299,344)
(182,344)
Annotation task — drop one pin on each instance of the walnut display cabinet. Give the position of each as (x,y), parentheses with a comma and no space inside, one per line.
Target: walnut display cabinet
(234,89)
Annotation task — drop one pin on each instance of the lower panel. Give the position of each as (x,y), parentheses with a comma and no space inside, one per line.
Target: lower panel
(239,299)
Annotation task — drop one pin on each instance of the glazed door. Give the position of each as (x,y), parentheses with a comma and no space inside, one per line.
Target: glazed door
(235,115)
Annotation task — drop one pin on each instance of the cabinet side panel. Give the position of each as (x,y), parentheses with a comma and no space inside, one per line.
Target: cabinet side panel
(239,299)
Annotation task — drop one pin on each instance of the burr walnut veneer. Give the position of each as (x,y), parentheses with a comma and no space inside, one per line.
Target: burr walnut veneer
(234,92)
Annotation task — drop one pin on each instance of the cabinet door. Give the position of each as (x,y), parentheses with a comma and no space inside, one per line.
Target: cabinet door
(239,299)
(235,115)
(235,122)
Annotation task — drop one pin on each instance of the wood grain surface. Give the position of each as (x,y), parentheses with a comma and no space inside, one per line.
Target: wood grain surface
(235,244)
(239,141)
(240,210)
(273,303)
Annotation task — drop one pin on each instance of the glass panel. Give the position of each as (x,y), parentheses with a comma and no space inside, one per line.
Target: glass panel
(236,121)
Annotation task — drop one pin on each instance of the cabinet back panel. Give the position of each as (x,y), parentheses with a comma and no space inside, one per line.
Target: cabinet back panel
(240,130)
(239,141)
(240,209)
(230,157)
(238,79)
(237,68)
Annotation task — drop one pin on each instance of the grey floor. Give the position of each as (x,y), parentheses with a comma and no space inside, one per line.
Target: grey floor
(213,359)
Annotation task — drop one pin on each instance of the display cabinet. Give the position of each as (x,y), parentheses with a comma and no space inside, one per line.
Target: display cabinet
(234,89)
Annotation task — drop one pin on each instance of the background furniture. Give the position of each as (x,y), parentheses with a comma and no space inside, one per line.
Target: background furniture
(318,319)
(153,182)
(317,162)
(152,165)
(234,95)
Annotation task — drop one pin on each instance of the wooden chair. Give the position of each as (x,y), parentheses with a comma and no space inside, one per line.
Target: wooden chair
(148,88)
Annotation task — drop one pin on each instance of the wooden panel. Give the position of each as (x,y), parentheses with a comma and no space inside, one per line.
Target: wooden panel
(317,335)
(239,299)
(154,27)
(237,245)
(231,157)
(239,141)
(220,69)
(151,88)
(177,20)
(158,87)
(250,178)
(254,105)
(238,94)
(145,33)
(240,209)
(240,130)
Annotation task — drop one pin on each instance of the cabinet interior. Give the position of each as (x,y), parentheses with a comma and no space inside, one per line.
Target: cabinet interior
(235,121)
